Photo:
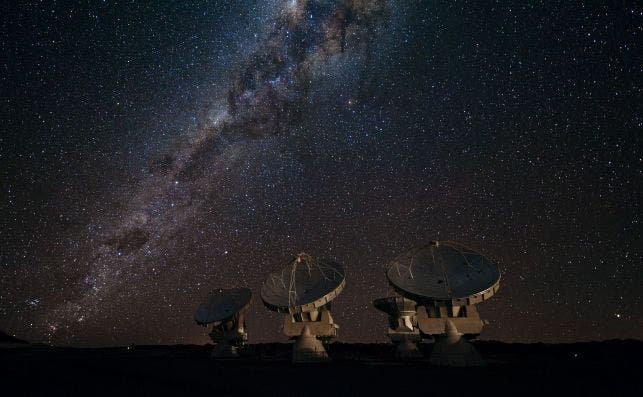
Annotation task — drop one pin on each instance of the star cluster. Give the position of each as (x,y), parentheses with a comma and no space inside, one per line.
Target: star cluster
(151,153)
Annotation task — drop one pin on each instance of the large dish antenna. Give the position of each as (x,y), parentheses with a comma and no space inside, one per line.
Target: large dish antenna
(445,271)
(222,304)
(224,309)
(303,285)
(302,290)
(442,281)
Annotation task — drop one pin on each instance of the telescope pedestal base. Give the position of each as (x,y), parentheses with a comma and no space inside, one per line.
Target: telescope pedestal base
(407,349)
(309,349)
(452,350)
(405,343)
(227,342)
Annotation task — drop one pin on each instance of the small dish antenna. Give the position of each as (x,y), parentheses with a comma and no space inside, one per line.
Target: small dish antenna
(224,309)
(442,282)
(403,326)
(302,290)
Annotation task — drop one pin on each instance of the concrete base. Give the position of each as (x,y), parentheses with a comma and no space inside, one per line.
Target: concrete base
(309,349)
(452,350)
(407,349)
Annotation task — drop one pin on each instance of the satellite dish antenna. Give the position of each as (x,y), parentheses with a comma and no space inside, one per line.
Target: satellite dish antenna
(403,326)
(224,309)
(446,280)
(302,290)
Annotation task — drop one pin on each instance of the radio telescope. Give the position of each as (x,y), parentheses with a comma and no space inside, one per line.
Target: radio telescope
(403,326)
(446,280)
(302,290)
(224,309)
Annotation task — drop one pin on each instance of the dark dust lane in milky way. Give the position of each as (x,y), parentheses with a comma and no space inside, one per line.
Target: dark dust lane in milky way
(303,45)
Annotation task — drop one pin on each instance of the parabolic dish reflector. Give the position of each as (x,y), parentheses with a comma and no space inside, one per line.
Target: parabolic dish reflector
(444,270)
(394,304)
(222,304)
(303,285)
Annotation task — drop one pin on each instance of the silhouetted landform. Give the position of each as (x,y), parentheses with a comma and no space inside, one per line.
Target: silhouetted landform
(597,368)
(8,339)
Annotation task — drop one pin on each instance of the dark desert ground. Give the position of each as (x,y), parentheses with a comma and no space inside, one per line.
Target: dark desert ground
(595,368)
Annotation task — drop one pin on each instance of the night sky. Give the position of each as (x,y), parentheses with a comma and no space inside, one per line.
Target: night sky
(153,151)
